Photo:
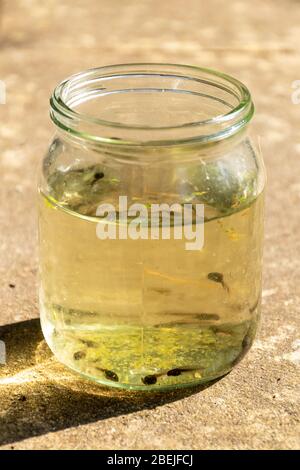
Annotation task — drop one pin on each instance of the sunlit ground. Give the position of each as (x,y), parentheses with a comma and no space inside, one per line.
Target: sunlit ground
(38,395)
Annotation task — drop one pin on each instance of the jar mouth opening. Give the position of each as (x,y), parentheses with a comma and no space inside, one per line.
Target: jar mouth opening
(151,104)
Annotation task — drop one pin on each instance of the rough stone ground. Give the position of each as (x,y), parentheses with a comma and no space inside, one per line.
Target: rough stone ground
(41,404)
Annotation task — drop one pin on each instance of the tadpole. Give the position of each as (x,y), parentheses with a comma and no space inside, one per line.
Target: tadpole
(98,175)
(149,380)
(111,375)
(174,372)
(152,379)
(218,277)
(79,355)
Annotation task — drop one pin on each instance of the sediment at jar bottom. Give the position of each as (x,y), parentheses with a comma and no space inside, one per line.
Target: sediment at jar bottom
(153,357)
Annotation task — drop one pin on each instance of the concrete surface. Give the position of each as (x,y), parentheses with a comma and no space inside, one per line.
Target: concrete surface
(42,405)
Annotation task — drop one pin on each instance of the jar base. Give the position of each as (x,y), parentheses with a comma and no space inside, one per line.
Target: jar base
(111,357)
(150,388)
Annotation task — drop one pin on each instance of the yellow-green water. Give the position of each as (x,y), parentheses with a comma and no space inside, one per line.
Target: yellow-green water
(148,313)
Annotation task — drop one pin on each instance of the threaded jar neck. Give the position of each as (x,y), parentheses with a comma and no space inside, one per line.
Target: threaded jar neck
(151,105)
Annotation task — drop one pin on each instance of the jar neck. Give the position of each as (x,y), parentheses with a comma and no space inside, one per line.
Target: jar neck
(151,105)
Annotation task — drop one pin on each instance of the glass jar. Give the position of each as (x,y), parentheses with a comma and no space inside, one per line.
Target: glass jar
(134,294)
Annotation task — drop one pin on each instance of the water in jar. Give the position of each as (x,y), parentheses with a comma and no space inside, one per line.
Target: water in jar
(148,313)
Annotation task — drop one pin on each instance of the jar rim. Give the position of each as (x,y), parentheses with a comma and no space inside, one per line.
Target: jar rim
(98,130)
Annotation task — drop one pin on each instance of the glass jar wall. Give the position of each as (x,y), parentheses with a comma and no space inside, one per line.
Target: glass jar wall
(122,301)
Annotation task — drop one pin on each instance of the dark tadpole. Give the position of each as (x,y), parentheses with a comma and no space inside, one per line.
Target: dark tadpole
(149,380)
(218,277)
(79,355)
(98,175)
(111,375)
(174,372)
